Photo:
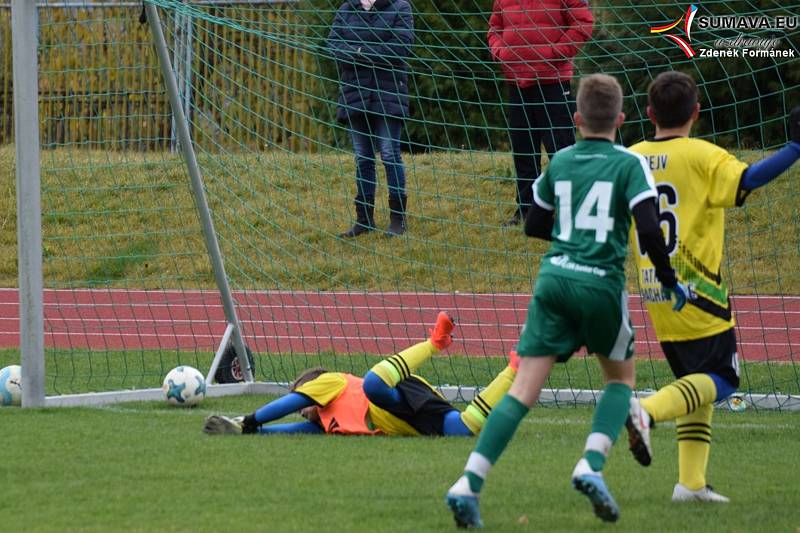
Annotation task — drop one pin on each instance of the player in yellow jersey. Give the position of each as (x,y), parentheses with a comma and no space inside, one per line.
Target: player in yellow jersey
(389,400)
(696,181)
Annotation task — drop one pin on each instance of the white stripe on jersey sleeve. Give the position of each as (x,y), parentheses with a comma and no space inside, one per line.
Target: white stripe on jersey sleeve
(541,203)
(641,196)
(651,181)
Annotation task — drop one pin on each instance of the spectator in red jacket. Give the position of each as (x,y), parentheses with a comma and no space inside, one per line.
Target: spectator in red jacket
(535,41)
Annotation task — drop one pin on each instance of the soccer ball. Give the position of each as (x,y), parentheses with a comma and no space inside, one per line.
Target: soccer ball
(11,385)
(736,404)
(184,386)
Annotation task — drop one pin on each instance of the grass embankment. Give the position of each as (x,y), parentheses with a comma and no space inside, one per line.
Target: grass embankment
(125,219)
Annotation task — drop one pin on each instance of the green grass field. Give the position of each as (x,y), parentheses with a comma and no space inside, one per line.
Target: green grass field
(147,467)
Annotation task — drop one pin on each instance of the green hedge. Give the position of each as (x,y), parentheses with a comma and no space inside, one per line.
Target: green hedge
(458,92)
(454,87)
(744,102)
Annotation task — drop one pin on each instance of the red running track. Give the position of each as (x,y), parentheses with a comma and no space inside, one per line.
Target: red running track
(346,322)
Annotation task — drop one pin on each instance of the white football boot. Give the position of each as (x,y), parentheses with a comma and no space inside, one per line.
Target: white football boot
(705,494)
(638,425)
(222,425)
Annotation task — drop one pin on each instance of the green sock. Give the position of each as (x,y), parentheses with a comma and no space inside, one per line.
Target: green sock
(475,482)
(609,417)
(495,436)
(596,459)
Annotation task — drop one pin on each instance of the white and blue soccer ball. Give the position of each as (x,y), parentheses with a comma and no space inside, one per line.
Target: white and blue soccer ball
(736,403)
(11,385)
(185,386)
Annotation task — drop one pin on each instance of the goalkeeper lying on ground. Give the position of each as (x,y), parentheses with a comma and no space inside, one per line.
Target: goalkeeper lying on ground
(389,400)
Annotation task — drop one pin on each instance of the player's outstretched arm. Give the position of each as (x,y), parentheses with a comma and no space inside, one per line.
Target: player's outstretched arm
(252,423)
(285,405)
(645,213)
(293,427)
(766,170)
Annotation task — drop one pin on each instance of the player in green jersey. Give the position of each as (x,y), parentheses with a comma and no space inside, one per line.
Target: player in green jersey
(583,202)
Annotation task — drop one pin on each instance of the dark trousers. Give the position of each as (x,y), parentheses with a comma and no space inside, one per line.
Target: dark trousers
(373,133)
(537,114)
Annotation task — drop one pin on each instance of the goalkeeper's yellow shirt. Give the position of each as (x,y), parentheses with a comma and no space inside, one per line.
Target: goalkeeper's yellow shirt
(695,181)
(329,386)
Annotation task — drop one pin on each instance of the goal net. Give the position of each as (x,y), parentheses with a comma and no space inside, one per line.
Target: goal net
(130,291)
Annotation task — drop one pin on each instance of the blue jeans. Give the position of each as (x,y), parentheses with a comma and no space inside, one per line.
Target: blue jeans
(376,133)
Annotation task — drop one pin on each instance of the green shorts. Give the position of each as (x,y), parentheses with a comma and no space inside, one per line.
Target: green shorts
(566,314)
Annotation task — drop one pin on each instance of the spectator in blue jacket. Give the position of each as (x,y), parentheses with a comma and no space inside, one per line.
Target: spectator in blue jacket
(371,40)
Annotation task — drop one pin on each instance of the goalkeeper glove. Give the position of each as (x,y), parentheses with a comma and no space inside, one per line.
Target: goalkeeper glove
(794,125)
(681,292)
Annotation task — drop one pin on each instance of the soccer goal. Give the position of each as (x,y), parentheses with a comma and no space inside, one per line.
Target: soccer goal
(182,182)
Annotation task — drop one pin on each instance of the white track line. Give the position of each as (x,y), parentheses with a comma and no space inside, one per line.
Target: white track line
(458,294)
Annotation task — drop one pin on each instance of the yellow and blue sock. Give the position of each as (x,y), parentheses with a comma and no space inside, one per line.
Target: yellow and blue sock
(479,409)
(398,367)
(681,397)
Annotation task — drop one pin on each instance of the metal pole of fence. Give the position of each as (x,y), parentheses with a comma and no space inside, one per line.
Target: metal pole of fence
(29,206)
(185,140)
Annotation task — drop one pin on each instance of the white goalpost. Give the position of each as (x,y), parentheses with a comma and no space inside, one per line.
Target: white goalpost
(24,24)
(29,229)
